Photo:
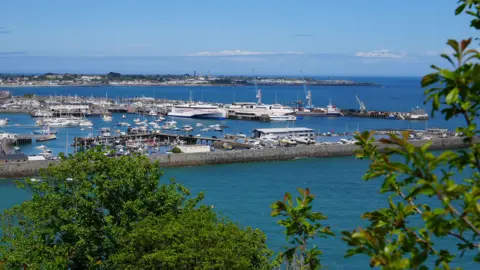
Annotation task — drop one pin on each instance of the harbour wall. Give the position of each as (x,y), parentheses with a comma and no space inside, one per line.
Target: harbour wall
(284,153)
(31,168)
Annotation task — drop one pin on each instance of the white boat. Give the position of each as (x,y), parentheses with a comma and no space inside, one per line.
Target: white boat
(41,147)
(303,140)
(258,108)
(160,119)
(332,110)
(187,128)
(3,122)
(107,118)
(218,128)
(142,123)
(277,117)
(124,116)
(199,125)
(152,123)
(44,131)
(418,114)
(152,113)
(287,141)
(47,137)
(241,135)
(205,129)
(198,110)
(136,120)
(105,132)
(171,123)
(60,122)
(39,113)
(123,124)
(46,153)
(85,123)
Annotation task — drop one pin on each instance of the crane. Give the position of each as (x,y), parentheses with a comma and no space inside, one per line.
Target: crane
(361,104)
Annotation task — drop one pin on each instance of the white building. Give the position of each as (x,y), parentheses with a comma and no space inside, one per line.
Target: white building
(188,149)
(285,132)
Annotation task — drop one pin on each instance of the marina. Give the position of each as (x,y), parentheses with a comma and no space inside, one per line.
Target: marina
(154,126)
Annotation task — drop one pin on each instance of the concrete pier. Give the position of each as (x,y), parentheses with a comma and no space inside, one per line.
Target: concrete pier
(31,168)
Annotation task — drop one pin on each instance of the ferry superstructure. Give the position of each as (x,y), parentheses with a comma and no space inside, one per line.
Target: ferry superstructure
(198,110)
(258,108)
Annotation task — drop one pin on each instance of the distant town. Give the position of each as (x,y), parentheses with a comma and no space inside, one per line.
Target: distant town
(114,78)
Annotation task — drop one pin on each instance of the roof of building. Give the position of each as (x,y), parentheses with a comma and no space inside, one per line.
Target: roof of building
(282,130)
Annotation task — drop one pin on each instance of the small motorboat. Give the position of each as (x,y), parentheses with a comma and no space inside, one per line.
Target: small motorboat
(187,128)
(48,137)
(107,118)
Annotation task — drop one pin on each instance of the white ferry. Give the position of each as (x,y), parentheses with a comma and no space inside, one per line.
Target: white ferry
(198,110)
(258,108)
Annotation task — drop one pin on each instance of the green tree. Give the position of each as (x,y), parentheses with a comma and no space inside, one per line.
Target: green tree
(192,240)
(89,211)
(427,199)
(301,227)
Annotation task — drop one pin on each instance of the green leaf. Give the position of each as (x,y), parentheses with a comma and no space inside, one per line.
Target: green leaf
(448,59)
(452,96)
(447,74)
(460,8)
(454,44)
(429,79)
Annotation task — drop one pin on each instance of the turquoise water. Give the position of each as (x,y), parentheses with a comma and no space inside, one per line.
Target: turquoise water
(244,192)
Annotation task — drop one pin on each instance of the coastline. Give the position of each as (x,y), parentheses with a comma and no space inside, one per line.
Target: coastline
(179,85)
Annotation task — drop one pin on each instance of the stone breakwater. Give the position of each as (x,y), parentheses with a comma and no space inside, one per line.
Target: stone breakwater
(13,169)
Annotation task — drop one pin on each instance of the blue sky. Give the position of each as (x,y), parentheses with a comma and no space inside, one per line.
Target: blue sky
(349,37)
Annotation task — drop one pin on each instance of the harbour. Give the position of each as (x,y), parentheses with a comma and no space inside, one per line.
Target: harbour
(153,123)
(330,177)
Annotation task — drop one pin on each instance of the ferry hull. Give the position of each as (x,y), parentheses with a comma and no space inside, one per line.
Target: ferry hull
(319,114)
(200,116)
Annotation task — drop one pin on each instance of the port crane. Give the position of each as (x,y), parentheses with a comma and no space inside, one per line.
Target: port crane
(361,105)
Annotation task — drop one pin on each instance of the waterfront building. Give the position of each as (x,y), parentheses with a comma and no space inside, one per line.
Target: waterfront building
(284,132)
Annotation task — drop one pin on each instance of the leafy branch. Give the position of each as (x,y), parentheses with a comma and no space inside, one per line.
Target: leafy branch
(301,225)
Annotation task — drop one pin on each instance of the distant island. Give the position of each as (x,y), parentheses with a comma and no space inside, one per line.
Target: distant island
(114,78)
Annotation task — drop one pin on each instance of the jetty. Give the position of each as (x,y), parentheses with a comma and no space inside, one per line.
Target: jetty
(31,168)
(157,136)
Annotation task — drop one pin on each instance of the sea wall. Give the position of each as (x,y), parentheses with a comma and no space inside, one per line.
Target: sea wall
(283,153)
(15,168)
(31,168)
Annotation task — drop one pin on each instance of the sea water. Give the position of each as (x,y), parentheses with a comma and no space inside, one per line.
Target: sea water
(243,192)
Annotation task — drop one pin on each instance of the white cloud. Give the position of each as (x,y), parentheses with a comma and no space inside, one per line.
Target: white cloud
(239,53)
(381,54)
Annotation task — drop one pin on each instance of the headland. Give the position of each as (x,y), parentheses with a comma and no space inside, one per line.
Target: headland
(117,79)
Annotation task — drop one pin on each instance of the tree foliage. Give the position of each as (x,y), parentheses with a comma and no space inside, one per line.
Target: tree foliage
(414,177)
(95,212)
(301,226)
